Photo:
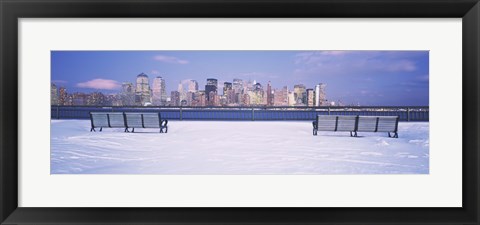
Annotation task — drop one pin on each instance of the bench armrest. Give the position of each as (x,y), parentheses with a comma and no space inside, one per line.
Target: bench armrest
(163,123)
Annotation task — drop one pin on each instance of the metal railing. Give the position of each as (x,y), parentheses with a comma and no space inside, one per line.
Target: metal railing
(410,113)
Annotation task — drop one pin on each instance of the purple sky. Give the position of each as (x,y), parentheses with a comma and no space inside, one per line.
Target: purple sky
(366,77)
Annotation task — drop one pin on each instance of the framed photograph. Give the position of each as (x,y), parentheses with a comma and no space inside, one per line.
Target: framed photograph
(230,112)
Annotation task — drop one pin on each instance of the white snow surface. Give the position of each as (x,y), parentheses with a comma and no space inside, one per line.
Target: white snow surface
(239,147)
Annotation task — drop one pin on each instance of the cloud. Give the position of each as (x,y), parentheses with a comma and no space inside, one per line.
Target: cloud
(155,72)
(170,59)
(101,84)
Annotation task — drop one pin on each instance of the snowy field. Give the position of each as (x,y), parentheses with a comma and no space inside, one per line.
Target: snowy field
(220,147)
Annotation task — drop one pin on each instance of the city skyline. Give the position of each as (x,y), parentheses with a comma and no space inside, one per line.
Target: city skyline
(354,77)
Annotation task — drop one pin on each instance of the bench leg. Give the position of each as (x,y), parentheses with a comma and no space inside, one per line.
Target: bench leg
(355,135)
(133,130)
(166,129)
(314,132)
(351,134)
(101,129)
(126,130)
(93,129)
(395,135)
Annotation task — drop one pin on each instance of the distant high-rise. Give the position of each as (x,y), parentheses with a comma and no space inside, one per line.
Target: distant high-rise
(175,98)
(53,94)
(180,90)
(310,97)
(159,93)
(212,85)
(320,96)
(300,94)
(226,86)
(291,98)
(269,94)
(192,86)
(142,90)
(237,85)
(63,96)
(128,94)
(280,97)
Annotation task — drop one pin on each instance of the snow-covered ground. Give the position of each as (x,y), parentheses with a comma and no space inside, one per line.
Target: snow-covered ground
(221,147)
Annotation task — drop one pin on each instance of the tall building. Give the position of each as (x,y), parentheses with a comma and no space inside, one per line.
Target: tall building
(280,97)
(53,94)
(310,97)
(226,86)
(237,86)
(159,93)
(128,94)
(291,98)
(269,94)
(192,86)
(142,90)
(212,85)
(175,98)
(257,96)
(180,90)
(63,96)
(300,94)
(320,96)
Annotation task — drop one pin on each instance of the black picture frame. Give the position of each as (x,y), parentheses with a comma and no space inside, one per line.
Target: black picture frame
(12,10)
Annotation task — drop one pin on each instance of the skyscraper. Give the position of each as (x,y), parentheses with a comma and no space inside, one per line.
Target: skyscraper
(192,86)
(63,96)
(269,94)
(53,94)
(237,85)
(300,94)
(128,94)
(142,90)
(159,93)
(320,96)
(175,98)
(291,98)
(226,86)
(180,90)
(212,85)
(280,97)
(310,97)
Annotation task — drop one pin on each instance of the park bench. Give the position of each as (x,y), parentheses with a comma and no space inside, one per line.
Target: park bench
(127,120)
(106,120)
(355,124)
(334,123)
(145,120)
(387,124)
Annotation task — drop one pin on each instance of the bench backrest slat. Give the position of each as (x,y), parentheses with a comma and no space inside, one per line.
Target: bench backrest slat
(116,119)
(346,123)
(151,120)
(134,120)
(326,122)
(387,124)
(99,119)
(367,123)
